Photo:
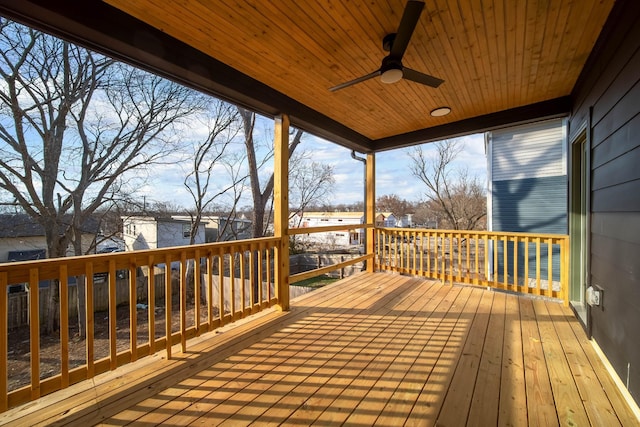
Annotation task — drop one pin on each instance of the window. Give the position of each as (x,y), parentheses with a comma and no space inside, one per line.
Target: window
(186,230)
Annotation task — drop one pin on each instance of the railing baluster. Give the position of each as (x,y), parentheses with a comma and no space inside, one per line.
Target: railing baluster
(34,313)
(451,264)
(526,264)
(210,290)
(64,326)
(564,270)
(4,342)
(269,274)
(151,304)
(476,275)
(167,305)
(538,285)
(90,321)
(221,286)
(459,258)
(468,258)
(133,312)
(550,267)
(252,278)
(196,289)
(429,254)
(183,300)
(495,259)
(260,254)
(232,284)
(243,293)
(505,255)
(515,262)
(113,362)
(486,257)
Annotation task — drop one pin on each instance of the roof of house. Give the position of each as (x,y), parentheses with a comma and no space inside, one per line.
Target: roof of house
(340,214)
(23,225)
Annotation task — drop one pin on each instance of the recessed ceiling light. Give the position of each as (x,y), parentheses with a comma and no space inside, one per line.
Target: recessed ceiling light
(441,111)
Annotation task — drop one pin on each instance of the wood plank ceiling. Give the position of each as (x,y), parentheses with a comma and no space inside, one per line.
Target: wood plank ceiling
(494,55)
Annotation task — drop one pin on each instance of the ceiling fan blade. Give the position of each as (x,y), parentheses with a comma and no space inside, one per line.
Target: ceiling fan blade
(418,77)
(354,81)
(408,23)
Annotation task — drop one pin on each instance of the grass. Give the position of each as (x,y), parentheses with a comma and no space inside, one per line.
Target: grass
(316,282)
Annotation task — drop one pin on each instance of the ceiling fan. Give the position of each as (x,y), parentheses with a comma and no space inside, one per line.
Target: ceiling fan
(396,43)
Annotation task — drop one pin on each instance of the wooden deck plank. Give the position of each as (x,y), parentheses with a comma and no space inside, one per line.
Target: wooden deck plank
(484,404)
(570,408)
(303,413)
(513,403)
(541,408)
(199,400)
(598,407)
(404,382)
(369,335)
(75,403)
(457,402)
(375,349)
(456,326)
(381,382)
(622,408)
(370,355)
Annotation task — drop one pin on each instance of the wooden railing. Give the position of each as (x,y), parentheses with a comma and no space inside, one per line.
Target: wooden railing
(522,262)
(158,299)
(205,287)
(294,278)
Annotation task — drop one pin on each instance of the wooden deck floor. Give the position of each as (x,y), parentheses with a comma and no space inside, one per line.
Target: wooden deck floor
(374,349)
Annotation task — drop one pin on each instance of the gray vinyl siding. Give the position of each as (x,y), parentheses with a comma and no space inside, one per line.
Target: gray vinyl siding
(528,191)
(534,205)
(529,151)
(606,98)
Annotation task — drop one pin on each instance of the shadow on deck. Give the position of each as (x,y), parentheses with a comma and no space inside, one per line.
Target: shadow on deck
(371,349)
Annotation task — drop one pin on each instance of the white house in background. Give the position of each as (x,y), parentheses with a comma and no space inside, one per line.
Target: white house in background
(222,228)
(146,232)
(340,238)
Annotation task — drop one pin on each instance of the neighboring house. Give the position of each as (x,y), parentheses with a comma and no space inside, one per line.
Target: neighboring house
(222,229)
(527,178)
(146,232)
(22,239)
(405,221)
(342,238)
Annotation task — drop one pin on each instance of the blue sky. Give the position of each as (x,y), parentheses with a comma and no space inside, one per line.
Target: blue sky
(393,175)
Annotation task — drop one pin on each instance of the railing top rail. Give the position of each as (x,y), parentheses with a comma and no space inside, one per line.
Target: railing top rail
(100,262)
(340,227)
(478,232)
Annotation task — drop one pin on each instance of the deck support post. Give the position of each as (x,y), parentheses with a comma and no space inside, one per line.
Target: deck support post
(370,210)
(281,209)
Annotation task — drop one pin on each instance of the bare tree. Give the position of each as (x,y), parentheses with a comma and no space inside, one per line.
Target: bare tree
(456,198)
(310,183)
(261,193)
(208,157)
(73,125)
(394,204)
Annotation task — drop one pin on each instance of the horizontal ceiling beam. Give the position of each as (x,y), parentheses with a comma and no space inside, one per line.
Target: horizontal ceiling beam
(553,108)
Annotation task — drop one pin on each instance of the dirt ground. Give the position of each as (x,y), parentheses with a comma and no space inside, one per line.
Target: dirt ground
(19,360)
